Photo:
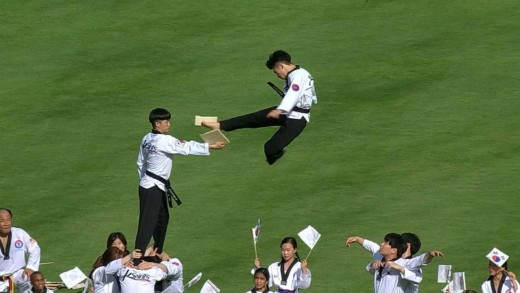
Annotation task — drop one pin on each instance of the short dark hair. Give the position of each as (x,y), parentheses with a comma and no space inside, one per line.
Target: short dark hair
(278,56)
(396,241)
(7,210)
(158,114)
(415,242)
(36,273)
(264,272)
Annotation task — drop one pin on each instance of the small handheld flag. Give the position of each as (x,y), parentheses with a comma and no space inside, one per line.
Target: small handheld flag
(194,280)
(256,233)
(209,287)
(310,236)
(497,257)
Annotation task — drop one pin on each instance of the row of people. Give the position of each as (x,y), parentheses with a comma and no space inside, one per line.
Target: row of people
(394,266)
(395,269)
(118,271)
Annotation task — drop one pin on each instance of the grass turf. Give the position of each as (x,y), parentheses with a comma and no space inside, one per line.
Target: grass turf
(415,129)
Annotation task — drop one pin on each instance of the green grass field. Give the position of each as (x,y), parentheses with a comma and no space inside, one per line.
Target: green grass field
(416,129)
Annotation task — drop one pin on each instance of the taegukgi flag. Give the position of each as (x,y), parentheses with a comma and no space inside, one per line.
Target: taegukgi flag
(497,257)
(310,236)
(256,231)
(194,280)
(209,287)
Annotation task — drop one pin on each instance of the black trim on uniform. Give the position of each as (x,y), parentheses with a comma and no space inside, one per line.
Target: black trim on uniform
(5,250)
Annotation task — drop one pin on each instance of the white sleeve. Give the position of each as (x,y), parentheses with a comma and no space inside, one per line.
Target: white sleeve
(371,246)
(511,285)
(98,274)
(174,267)
(140,162)
(33,249)
(304,280)
(181,147)
(412,275)
(157,274)
(416,262)
(294,92)
(114,266)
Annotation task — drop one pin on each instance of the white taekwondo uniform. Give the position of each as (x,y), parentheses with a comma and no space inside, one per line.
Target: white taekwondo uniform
(21,244)
(296,279)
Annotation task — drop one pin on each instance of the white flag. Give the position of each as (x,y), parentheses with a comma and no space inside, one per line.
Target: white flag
(256,232)
(444,274)
(459,282)
(497,257)
(209,287)
(194,280)
(310,236)
(72,277)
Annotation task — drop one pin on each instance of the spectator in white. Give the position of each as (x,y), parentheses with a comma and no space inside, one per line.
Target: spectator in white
(389,272)
(38,284)
(15,243)
(289,274)
(500,280)
(413,244)
(106,283)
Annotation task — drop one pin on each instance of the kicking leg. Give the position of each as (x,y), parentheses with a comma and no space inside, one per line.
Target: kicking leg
(251,120)
(274,147)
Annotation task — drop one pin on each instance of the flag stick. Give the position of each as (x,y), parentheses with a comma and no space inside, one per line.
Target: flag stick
(309,254)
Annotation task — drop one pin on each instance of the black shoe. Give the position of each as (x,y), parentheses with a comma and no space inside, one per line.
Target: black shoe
(272,159)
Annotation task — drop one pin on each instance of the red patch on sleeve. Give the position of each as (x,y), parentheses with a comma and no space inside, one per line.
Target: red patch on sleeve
(295,87)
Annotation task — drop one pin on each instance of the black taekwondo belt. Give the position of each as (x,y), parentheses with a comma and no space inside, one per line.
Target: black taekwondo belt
(301,110)
(171,195)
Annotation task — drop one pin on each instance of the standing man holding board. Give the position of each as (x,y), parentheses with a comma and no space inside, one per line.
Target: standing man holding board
(154,165)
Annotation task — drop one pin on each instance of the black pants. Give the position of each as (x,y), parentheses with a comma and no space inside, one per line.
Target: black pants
(153,218)
(274,147)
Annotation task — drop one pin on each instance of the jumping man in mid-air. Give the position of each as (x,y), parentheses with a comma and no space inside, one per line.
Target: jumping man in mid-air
(292,114)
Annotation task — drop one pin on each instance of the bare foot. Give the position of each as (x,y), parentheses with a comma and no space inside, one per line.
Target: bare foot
(210,125)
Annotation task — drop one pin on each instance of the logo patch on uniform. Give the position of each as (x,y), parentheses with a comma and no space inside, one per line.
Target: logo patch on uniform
(181,142)
(295,87)
(18,244)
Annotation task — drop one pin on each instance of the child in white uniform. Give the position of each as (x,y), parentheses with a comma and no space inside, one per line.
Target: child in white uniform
(290,274)
(501,279)
(261,278)
(106,283)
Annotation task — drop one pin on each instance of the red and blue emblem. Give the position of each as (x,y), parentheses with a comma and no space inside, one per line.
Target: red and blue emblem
(18,244)
(496,258)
